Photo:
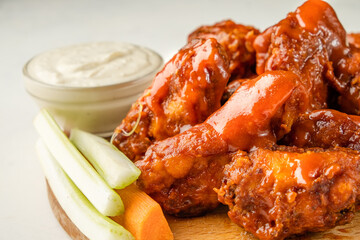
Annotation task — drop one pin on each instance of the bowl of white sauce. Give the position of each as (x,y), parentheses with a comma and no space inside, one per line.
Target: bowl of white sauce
(92,85)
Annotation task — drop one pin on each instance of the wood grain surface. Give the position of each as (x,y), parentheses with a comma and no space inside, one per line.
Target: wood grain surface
(213,226)
(217,225)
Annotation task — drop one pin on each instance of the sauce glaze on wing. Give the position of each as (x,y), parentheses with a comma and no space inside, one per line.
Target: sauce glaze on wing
(275,193)
(180,172)
(184,93)
(310,42)
(325,128)
(237,39)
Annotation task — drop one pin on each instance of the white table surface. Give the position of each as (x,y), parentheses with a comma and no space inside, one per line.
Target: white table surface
(30,27)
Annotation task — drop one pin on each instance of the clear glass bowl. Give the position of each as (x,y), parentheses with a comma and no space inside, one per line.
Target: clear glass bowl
(94,109)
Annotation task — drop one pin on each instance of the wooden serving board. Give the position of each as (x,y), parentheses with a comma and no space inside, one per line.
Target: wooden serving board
(213,226)
(217,226)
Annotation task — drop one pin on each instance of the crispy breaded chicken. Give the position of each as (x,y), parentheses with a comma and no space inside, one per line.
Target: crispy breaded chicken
(237,39)
(325,128)
(304,43)
(184,93)
(180,172)
(280,192)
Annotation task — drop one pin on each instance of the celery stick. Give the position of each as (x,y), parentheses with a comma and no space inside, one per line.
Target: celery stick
(118,170)
(81,212)
(85,177)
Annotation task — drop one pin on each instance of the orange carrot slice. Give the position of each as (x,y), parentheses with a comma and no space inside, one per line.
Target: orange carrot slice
(143,216)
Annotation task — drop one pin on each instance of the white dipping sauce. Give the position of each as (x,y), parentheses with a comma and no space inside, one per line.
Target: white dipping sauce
(93,64)
(93,85)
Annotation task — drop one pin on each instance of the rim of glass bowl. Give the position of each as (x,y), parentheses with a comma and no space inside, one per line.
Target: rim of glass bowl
(71,94)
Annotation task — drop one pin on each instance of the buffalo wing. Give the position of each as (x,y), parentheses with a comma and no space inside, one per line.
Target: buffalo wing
(184,93)
(307,42)
(279,192)
(325,128)
(180,172)
(237,40)
(346,81)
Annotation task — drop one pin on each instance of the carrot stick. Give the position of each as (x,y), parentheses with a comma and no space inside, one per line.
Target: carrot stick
(143,216)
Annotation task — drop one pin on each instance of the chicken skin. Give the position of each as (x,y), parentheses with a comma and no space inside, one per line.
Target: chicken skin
(231,88)
(308,42)
(184,93)
(280,192)
(325,128)
(180,172)
(353,40)
(346,81)
(311,42)
(237,40)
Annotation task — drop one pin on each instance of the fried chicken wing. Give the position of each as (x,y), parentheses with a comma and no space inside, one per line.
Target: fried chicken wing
(237,40)
(308,42)
(325,128)
(346,77)
(346,81)
(180,172)
(277,193)
(184,93)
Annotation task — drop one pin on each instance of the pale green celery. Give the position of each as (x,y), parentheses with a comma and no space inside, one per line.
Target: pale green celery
(85,177)
(117,169)
(81,212)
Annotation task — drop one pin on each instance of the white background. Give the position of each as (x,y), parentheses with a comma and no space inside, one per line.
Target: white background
(30,27)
